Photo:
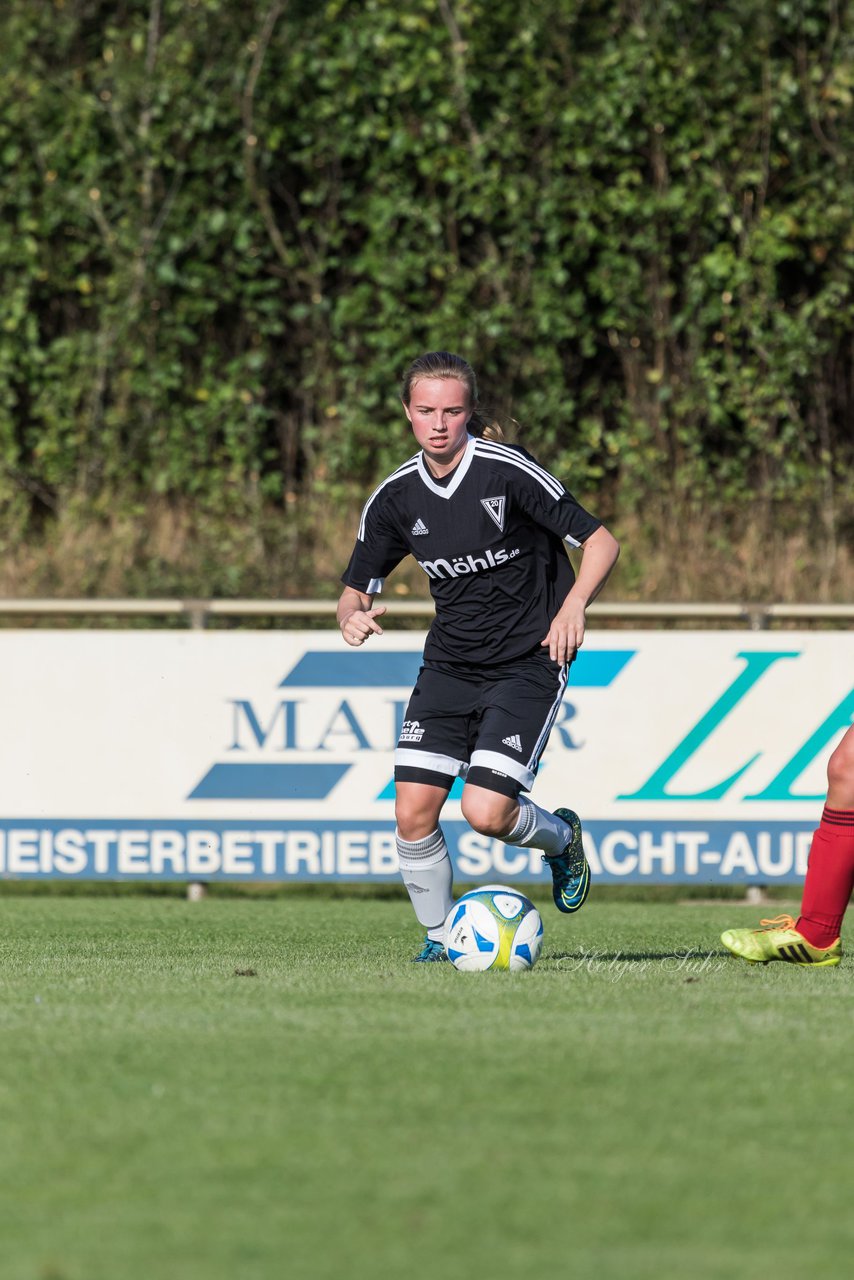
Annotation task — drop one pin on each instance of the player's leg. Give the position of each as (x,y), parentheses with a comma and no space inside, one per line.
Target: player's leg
(425,864)
(814,939)
(489,811)
(840,775)
(557,835)
(510,816)
(521,706)
(431,752)
(830,870)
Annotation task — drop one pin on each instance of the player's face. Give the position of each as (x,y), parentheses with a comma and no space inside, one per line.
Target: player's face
(439,411)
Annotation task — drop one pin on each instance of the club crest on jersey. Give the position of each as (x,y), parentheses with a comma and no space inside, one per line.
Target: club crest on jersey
(494,508)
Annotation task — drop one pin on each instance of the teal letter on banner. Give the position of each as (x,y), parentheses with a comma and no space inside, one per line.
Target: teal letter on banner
(655,788)
(780,788)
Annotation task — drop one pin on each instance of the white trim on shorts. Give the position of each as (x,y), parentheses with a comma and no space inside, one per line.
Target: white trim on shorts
(550,720)
(447,765)
(503,764)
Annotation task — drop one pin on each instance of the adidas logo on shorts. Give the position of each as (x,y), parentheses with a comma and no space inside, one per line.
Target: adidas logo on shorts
(419,527)
(513,741)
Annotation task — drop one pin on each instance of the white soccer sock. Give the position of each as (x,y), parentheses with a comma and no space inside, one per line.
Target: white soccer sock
(539,829)
(425,866)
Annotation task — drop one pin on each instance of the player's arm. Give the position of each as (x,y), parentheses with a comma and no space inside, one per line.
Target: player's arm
(357,618)
(598,556)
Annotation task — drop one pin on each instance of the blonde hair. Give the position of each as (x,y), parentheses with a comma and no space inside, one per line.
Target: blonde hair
(444,364)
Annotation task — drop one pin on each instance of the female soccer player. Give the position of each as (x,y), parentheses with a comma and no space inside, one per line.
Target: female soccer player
(814,939)
(487,525)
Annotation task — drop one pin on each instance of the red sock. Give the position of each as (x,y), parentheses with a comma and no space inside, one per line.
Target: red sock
(830,878)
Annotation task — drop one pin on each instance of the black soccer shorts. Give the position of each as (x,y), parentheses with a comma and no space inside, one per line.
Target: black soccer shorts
(489,725)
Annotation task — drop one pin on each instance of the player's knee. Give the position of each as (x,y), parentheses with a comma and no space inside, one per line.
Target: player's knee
(488,812)
(416,817)
(413,823)
(840,772)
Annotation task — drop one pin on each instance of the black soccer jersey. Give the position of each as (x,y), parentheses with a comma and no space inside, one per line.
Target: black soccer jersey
(490,538)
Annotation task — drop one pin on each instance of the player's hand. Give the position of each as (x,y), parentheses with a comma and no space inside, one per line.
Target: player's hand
(566,634)
(362,623)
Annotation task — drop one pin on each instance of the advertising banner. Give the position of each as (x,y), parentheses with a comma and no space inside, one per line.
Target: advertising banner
(268,756)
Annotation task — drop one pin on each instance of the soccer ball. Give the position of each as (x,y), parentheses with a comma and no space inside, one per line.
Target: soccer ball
(493,927)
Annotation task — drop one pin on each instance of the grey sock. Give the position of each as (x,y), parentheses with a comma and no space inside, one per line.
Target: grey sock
(425,867)
(538,829)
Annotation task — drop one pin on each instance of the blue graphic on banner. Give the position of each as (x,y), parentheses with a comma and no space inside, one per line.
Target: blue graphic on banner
(631,852)
(269,782)
(324,669)
(279,728)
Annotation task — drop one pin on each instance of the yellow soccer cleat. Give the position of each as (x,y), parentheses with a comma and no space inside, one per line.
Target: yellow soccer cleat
(779,940)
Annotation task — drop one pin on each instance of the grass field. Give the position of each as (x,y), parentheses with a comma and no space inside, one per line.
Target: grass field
(248,1089)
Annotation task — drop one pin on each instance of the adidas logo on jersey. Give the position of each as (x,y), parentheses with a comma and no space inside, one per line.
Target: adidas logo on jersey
(513,741)
(419,527)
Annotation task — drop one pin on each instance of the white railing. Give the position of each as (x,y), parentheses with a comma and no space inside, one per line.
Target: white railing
(197,612)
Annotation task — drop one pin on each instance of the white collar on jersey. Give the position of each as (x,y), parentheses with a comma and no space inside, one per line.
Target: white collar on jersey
(448,490)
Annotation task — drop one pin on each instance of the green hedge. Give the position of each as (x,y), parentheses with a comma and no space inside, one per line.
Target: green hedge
(229,224)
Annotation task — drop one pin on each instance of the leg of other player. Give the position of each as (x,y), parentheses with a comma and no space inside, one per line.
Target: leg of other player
(830,871)
(425,864)
(814,939)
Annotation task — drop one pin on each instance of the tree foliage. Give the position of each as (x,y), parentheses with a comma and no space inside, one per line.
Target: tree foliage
(229,224)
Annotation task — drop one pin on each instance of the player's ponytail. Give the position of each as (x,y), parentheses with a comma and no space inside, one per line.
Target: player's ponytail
(443,364)
(487,428)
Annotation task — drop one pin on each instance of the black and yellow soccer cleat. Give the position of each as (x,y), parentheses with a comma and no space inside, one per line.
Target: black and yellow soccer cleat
(778,939)
(570,870)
